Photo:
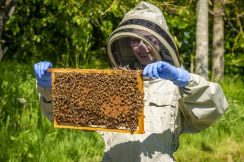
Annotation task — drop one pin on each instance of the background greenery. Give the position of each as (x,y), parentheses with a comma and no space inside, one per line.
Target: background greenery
(73,34)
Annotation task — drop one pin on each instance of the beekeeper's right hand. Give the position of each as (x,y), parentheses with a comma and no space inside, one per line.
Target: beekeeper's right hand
(43,77)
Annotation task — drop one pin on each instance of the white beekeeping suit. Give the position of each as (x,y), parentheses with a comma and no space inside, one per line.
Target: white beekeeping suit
(169,110)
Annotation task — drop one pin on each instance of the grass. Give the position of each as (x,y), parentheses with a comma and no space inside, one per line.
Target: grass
(26,135)
(223,141)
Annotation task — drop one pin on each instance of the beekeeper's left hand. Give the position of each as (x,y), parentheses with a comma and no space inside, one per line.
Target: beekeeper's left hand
(161,69)
(43,77)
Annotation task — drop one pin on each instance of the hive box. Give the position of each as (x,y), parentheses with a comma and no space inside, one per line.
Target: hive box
(98,100)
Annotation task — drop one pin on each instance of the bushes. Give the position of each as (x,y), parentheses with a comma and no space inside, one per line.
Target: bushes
(75,33)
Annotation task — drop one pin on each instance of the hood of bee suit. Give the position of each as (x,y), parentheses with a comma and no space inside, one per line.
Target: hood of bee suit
(140,22)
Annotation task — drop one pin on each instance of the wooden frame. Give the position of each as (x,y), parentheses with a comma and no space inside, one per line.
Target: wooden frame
(140,128)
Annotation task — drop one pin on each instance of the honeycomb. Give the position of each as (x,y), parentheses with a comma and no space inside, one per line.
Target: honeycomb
(107,100)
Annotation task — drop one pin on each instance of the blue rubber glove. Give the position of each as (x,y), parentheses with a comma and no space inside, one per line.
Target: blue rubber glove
(43,77)
(161,69)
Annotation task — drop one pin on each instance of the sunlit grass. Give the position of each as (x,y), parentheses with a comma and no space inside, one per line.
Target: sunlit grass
(224,140)
(26,135)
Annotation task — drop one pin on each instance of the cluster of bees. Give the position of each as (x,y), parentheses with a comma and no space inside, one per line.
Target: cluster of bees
(97,99)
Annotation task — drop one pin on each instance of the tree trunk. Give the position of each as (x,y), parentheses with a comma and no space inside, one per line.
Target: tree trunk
(6,9)
(202,39)
(218,42)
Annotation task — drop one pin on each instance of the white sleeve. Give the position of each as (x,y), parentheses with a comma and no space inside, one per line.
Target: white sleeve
(202,103)
(45,97)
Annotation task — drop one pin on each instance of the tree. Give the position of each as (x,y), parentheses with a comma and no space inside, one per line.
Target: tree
(202,39)
(6,9)
(218,41)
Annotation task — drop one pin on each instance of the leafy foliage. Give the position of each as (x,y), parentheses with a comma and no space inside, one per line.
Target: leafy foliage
(234,37)
(74,33)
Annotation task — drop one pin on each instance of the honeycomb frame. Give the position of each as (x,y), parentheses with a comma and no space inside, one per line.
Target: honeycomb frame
(139,81)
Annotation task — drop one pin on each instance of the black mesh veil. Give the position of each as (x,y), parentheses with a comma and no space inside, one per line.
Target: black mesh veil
(160,41)
(123,55)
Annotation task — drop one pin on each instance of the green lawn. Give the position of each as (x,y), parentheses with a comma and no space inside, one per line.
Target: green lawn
(26,135)
(224,141)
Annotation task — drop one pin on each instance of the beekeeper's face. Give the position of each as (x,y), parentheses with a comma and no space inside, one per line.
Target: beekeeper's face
(142,50)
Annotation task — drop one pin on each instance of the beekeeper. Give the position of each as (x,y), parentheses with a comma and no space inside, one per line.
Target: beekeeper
(175,101)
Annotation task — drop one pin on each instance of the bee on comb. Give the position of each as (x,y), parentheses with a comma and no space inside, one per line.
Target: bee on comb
(99,100)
